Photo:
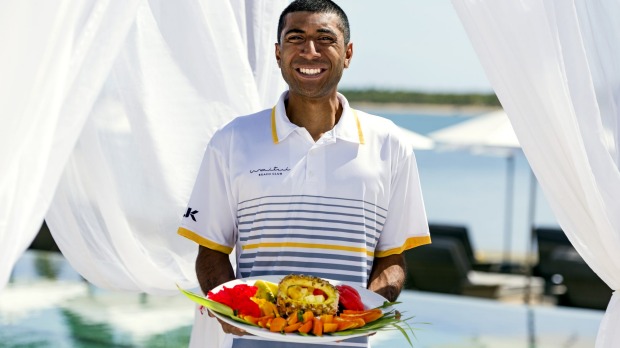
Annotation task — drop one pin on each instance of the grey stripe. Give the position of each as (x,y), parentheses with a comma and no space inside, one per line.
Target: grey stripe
(275,263)
(283,257)
(248,254)
(307,236)
(240,342)
(312,196)
(311,211)
(308,203)
(311,219)
(341,277)
(311,228)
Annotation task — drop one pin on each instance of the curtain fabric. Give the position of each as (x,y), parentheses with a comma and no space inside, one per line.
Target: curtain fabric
(105,116)
(554,66)
(109,106)
(183,71)
(56,56)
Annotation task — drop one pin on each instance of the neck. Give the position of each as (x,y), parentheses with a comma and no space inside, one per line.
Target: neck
(316,115)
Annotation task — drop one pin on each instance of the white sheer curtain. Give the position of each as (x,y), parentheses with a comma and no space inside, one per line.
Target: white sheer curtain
(554,66)
(56,56)
(123,97)
(183,71)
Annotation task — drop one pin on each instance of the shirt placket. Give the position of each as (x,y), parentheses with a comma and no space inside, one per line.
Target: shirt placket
(315,159)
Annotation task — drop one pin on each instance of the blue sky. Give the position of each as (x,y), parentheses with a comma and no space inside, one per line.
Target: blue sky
(411,44)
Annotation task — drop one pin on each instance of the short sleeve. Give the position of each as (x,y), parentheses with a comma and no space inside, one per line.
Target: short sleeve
(210,218)
(406,225)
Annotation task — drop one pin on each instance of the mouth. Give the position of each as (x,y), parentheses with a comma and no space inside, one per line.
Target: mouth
(310,72)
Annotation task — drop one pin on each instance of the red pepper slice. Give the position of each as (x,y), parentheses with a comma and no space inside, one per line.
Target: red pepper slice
(350,298)
(318,292)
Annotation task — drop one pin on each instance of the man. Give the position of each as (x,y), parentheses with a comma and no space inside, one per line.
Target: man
(310,186)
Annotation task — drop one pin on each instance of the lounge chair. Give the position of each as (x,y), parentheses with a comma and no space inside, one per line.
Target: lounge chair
(461,234)
(443,267)
(570,279)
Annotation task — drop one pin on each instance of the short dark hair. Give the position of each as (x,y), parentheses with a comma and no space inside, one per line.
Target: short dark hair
(316,6)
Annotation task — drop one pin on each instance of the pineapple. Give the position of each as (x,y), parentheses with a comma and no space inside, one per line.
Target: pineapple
(266,290)
(306,293)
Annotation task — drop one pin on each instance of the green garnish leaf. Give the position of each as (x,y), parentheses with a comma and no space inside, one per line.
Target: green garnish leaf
(404,333)
(212,305)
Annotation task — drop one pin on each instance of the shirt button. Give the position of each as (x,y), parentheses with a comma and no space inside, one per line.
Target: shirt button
(311,174)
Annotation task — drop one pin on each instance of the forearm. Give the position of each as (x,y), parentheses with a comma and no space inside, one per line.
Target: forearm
(212,268)
(388,276)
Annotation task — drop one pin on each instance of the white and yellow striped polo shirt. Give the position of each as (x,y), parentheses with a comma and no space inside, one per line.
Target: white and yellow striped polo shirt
(293,205)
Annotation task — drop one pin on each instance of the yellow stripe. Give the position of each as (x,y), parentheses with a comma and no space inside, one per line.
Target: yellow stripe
(410,243)
(274,131)
(359,127)
(307,245)
(203,241)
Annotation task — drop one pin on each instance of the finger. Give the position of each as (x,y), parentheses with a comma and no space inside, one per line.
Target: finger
(230,329)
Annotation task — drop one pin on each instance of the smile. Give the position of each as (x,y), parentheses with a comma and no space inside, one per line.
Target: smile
(311,72)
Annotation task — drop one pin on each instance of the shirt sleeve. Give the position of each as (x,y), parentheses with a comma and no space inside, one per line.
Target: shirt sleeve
(210,217)
(406,225)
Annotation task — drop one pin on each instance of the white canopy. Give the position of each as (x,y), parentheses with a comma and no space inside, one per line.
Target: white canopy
(419,141)
(488,131)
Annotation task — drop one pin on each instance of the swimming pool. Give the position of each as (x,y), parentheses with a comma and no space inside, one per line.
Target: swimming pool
(47,304)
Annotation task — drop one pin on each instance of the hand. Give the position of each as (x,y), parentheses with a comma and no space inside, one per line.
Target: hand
(229,329)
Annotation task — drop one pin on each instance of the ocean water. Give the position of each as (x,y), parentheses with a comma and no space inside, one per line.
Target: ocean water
(462,188)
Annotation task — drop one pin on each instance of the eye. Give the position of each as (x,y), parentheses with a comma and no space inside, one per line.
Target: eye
(294,38)
(327,39)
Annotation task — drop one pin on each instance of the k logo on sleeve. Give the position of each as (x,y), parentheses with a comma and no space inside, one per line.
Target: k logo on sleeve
(190,213)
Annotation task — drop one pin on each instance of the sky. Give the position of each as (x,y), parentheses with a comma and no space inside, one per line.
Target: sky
(417,45)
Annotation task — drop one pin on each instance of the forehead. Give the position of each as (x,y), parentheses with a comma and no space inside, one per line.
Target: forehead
(312,22)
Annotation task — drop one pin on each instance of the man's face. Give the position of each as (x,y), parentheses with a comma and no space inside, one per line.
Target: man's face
(312,53)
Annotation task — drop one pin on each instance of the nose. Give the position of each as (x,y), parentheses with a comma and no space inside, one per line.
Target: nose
(309,50)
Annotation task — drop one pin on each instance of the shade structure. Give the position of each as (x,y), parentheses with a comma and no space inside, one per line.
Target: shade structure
(419,141)
(490,133)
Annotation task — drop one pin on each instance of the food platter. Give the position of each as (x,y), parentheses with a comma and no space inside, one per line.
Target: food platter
(369,299)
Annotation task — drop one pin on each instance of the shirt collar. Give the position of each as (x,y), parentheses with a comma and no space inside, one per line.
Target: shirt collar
(348,127)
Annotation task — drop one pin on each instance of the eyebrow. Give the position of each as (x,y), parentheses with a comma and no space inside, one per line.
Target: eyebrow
(296,31)
(299,31)
(326,31)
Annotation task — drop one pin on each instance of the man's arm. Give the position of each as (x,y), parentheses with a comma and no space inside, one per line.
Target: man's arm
(212,268)
(387,277)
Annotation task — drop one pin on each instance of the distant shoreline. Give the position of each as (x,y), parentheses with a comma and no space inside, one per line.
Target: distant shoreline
(431,109)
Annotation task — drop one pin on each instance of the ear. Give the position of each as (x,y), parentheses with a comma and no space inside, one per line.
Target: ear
(348,54)
(278,55)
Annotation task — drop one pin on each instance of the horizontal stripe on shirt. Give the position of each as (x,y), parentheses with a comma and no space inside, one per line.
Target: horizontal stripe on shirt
(321,212)
(311,196)
(307,255)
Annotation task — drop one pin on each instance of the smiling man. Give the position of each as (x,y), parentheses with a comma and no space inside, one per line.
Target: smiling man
(310,186)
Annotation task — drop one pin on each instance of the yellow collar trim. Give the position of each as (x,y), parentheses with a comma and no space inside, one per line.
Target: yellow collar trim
(274,130)
(359,127)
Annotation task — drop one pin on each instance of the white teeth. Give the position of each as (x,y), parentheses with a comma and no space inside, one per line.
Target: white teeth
(309,71)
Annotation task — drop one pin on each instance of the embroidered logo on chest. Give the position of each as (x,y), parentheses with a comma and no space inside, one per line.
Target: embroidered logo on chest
(269,171)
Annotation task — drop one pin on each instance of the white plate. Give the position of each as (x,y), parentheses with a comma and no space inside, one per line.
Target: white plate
(369,298)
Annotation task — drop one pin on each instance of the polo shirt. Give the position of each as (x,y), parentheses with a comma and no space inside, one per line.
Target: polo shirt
(288,204)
